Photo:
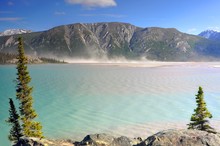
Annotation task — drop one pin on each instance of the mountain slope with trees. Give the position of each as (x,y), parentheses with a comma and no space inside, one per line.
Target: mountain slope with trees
(112,40)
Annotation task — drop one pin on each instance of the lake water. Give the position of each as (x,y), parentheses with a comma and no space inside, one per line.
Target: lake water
(74,100)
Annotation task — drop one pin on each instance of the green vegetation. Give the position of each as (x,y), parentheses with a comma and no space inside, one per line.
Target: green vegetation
(121,51)
(50,60)
(31,128)
(8,58)
(13,120)
(116,40)
(199,118)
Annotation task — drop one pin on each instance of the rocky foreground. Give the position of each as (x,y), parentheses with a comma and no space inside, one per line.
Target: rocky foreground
(163,138)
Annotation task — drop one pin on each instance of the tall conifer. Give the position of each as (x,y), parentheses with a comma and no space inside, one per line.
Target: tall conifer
(31,128)
(13,120)
(199,118)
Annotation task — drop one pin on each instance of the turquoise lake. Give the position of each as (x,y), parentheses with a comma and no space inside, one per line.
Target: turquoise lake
(73,100)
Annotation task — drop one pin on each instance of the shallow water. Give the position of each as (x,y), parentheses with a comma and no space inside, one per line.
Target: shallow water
(73,100)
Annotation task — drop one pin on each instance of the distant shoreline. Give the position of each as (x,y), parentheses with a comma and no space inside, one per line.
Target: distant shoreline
(134,64)
(150,64)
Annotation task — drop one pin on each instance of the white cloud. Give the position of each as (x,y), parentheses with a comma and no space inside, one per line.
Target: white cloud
(104,15)
(113,15)
(191,30)
(59,13)
(10,19)
(93,3)
(215,28)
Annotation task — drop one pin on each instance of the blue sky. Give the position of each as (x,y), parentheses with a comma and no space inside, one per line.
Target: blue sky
(190,16)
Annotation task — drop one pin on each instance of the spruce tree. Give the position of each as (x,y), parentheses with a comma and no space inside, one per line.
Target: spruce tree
(31,128)
(13,120)
(199,118)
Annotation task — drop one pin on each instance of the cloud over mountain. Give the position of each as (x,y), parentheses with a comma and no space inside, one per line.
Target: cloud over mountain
(93,3)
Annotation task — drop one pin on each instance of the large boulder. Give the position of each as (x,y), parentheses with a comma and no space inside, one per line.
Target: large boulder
(96,140)
(122,141)
(107,140)
(182,138)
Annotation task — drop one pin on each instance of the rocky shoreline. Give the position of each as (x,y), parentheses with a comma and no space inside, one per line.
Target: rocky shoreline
(163,138)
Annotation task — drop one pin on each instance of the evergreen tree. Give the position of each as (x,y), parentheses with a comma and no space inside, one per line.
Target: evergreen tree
(199,118)
(31,128)
(13,120)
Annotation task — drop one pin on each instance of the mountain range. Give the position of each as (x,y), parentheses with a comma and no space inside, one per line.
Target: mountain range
(113,40)
(14,32)
(211,34)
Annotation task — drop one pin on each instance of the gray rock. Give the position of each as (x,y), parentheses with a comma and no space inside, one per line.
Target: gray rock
(96,140)
(163,138)
(182,138)
(107,140)
(122,141)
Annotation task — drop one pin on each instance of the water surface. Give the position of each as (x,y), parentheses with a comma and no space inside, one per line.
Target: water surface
(73,100)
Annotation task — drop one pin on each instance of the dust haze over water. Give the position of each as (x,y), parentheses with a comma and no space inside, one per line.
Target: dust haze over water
(141,62)
(104,60)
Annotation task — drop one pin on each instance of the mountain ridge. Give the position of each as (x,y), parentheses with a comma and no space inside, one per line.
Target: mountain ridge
(211,35)
(9,32)
(114,39)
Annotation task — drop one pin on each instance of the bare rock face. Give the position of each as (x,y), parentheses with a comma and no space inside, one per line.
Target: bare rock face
(182,138)
(211,35)
(14,32)
(113,40)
